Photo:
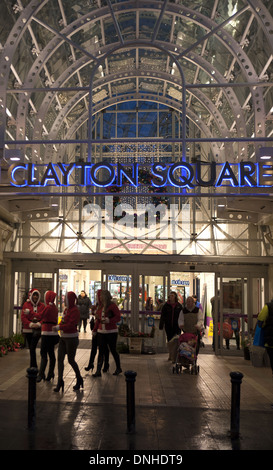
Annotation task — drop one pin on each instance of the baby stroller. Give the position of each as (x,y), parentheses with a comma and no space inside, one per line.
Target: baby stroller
(187,353)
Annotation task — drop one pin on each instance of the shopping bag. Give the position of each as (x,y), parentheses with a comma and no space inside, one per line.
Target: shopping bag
(172,348)
(258,339)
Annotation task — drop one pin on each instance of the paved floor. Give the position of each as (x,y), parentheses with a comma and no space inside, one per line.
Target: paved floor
(173,412)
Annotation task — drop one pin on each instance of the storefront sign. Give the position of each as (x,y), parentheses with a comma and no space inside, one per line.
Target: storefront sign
(112,277)
(180,282)
(180,174)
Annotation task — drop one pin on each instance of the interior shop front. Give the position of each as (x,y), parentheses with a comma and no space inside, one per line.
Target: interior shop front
(141,291)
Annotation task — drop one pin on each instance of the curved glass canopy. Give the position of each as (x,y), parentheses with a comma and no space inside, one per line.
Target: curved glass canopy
(124,82)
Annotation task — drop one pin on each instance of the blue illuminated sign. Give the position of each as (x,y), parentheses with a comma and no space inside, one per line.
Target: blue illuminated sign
(179,174)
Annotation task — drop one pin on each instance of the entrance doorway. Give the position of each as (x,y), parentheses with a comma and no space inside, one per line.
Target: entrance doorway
(236,304)
(77,280)
(238,298)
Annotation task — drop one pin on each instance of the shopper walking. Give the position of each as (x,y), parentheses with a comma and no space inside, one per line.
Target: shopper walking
(169,320)
(169,316)
(149,304)
(265,321)
(94,344)
(84,304)
(191,317)
(49,338)
(107,330)
(215,313)
(31,326)
(191,320)
(69,341)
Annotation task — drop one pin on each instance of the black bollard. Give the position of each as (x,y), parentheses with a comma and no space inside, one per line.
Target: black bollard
(32,377)
(130,382)
(236,380)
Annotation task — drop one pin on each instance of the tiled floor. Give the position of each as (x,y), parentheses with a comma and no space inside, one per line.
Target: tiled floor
(172,411)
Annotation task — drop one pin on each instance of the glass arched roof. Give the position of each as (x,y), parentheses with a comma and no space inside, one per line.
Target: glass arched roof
(82,78)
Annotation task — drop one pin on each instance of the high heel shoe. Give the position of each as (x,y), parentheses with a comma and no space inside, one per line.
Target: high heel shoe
(97,374)
(50,376)
(79,384)
(40,377)
(117,372)
(60,385)
(106,368)
(91,367)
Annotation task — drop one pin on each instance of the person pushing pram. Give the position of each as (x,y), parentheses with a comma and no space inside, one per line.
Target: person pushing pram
(191,318)
(191,323)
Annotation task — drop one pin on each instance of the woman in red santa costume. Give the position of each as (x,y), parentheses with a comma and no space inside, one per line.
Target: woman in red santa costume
(69,341)
(31,326)
(48,318)
(108,315)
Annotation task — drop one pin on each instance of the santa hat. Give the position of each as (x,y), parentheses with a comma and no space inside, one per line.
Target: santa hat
(30,295)
(50,297)
(70,299)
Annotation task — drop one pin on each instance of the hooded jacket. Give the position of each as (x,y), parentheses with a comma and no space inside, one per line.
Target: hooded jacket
(49,316)
(30,311)
(107,320)
(71,317)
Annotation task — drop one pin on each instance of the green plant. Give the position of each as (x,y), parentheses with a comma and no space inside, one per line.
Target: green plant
(125,331)
(10,344)
(19,339)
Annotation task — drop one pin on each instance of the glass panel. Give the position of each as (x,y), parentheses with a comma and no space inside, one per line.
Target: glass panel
(257,301)
(152,292)
(232,315)
(119,287)
(76,280)
(42,282)
(20,295)
(180,283)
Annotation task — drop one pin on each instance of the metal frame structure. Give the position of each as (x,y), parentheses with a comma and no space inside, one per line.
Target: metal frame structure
(205,69)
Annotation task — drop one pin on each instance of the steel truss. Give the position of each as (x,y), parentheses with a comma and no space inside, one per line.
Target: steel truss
(207,68)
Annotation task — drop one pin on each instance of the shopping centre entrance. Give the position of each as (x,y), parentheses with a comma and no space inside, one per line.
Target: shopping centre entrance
(140,289)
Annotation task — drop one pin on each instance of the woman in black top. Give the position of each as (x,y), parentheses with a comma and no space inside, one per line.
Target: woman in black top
(169,316)
(84,304)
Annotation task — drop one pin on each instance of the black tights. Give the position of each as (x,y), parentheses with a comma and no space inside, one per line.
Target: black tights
(106,340)
(32,341)
(68,346)
(48,343)
(94,349)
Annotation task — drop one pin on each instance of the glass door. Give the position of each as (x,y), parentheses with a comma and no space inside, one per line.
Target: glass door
(77,280)
(153,292)
(21,289)
(42,282)
(230,314)
(258,296)
(120,287)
